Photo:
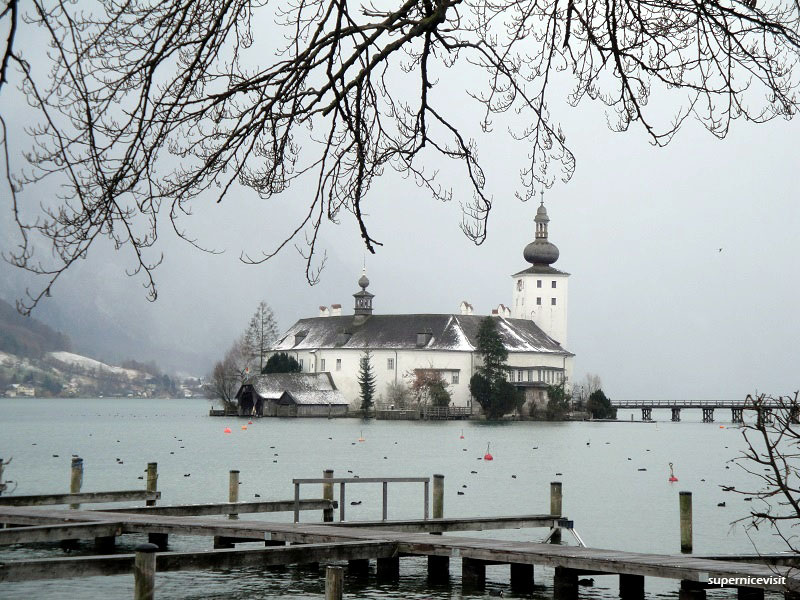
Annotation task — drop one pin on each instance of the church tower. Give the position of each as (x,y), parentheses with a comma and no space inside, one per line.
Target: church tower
(540,291)
(363,305)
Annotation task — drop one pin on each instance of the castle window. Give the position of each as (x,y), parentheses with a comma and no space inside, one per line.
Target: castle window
(301,364)
(538,301)
(552,301)
(519,375)
(538,283)
(390,364)
(455,377)
(322,364)
(338,364)
(554,284)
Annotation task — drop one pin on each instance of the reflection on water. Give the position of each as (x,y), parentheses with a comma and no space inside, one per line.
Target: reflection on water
(614,503)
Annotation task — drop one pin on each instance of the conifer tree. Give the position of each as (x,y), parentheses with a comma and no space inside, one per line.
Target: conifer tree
(489,385)
(366,381)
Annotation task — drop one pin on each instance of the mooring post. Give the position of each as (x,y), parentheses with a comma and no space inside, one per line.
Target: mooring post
(76,478)
(685,501)
(152,481)
(327,494)
(556,495)
(691,590)
(334,579)
(233,491)
(387,569)
(2,485)
(748,593)
(144,572)
(385,512)
(438,566)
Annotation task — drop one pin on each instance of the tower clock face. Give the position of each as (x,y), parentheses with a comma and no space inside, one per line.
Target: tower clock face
(519,285)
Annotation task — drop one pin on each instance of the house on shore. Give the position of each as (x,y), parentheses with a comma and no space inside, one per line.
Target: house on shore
(404,346)
(291,395)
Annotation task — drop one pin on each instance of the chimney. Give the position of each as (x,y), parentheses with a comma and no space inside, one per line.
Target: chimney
(336,310)
(324,312)
(502,311)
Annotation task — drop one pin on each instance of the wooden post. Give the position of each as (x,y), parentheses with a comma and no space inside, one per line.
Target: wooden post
(521,578)
(327,494)
(385,513)
(438,566)
(296,502)
(144,572)
(76,478)
(565,584)
(426,499)
(473,573)
(152,481)
(333,583)
(556,495)
(2,485)
(685,500)
(748,593)
(341,501)
(691,590)
(358,567)
(387,569)
(233,491)
(631,587)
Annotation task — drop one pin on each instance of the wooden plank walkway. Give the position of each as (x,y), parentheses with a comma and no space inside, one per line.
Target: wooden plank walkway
(596,560)
(79,498)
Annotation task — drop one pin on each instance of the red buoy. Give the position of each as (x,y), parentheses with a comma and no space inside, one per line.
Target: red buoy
(672,477)
(226,430)
(461,437)
(488,456)
(249,422)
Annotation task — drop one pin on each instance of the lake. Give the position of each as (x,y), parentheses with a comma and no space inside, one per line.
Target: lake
(613,502)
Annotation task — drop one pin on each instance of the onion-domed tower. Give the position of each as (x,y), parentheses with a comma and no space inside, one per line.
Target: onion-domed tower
(363,298)
(540,291)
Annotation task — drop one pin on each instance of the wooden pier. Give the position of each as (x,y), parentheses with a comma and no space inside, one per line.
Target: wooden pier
(386,542)
(764,410)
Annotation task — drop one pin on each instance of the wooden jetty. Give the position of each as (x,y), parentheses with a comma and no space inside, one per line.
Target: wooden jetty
(385,541)
(737,407)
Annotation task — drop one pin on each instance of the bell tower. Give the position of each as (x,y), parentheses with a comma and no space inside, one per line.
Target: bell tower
(540,291)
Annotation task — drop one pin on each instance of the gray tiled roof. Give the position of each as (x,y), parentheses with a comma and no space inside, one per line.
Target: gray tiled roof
(447,332)
(304,388)
(542,270)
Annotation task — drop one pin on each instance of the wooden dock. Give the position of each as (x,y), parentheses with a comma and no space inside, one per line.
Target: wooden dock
(385,541)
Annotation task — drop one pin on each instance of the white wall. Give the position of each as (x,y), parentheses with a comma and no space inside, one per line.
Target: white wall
(550,319)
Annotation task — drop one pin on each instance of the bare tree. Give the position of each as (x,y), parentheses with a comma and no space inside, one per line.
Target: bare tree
(229,374)
(354,90)
(772,458)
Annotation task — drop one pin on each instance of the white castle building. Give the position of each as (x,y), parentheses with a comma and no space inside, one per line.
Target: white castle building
(533,330)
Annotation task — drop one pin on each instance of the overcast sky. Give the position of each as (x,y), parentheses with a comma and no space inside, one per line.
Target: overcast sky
(655,308)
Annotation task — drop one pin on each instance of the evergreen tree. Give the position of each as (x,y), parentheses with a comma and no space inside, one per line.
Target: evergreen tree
(366,381)
(599,406)
(557,402)
(261,332)
(281,363)
(489,385)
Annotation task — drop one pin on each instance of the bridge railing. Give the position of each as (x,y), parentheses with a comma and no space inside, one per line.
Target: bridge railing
(689,404)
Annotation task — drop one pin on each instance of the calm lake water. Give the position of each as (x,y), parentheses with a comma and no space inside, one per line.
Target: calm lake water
(613,503)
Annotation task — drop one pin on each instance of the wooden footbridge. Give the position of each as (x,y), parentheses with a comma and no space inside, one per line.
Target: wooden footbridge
(763,409)
(386,542)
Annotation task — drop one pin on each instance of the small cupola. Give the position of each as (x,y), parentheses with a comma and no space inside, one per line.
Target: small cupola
(363,305)
(541,251)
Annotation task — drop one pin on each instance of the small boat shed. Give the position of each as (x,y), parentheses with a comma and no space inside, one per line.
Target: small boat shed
(291,395)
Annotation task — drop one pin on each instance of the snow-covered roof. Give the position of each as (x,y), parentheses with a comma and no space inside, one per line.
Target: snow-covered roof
(302,388)
(396,332)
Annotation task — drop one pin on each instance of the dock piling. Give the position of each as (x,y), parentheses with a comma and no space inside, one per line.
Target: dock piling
(556,496)
(233,491)
(565,584)
(521,578)
(333,583)
(327,494)
(438,566)
(144,572)
(152,481)
(685,501)
(631,587)
(76,478)
(473,574)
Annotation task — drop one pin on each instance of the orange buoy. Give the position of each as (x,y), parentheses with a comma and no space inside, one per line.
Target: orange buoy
(722,426)
(226,430)
(361,438)
(244,427)
(488,455)
(672,477)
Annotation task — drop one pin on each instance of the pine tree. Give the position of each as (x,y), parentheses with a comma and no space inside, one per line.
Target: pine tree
(366,380)
(260,333)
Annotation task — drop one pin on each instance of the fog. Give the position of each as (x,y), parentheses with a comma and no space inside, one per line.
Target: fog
(683,262)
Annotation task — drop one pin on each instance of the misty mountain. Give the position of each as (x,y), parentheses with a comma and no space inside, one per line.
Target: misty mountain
(26,336)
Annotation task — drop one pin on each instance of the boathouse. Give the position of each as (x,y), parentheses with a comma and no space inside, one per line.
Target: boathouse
(291,395)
